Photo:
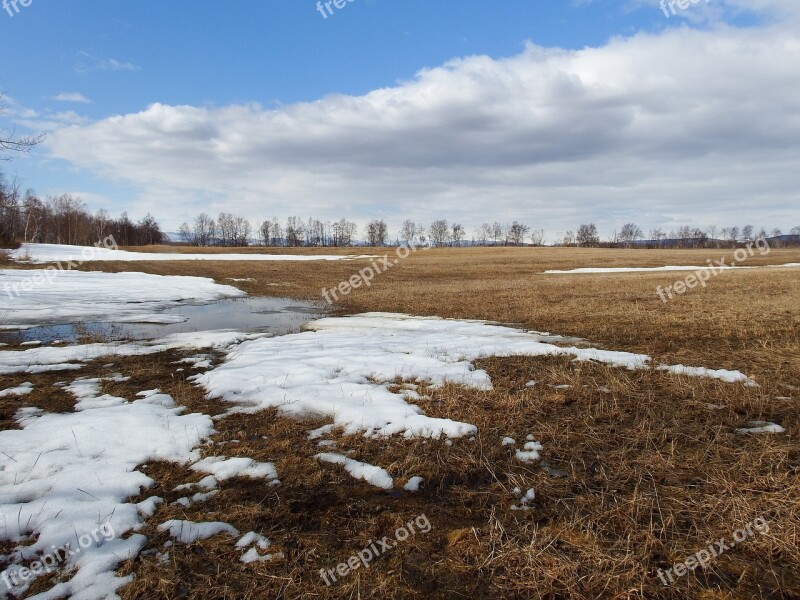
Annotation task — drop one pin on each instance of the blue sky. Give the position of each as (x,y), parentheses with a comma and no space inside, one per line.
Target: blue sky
(89,73)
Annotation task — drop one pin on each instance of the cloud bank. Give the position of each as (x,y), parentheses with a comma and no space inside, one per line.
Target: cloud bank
(695,125)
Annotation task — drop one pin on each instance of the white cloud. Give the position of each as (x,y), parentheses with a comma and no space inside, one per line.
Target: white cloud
(72,97)
(688,125)
(88,63)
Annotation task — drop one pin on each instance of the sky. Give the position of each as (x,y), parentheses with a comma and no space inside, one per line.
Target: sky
(553,113)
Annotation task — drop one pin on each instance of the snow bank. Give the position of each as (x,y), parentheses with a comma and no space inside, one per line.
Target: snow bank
(52,253)
(40,297)
(342,369)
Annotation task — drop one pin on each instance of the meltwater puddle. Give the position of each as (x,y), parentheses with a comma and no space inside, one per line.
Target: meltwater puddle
(277,316)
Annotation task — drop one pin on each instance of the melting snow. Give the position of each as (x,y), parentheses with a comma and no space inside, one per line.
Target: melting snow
(226,468)
(64,475)
(592,270)
(369,473)
(413,484)
(20,390)
(761,427)
(70,296)
(39,360)
(188,532)
(51,253)
(344,367)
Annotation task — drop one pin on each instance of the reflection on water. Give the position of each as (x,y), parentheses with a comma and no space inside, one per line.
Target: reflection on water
(274,315)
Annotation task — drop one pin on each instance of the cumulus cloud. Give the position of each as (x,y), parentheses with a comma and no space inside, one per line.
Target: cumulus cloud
(687,125)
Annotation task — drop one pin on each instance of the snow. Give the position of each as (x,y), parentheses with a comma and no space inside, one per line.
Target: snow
(508,441)
(525,499)
(226,468)
(188,532)
(76,296)
(595,270)
(52,253)
(343,368)
(761,427)
(258,542)
(413,484)
(196,498)
(40,360)
(252,538)
(369,473)
(20,390)
(67,474)
(530,452)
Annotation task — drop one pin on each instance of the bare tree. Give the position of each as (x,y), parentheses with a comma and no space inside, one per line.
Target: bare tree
(377,233)
(277,232)
(497,232)
(457,233)
(747,233)
(516,233)
(344,232)
(205,230)
(483,233)
(186,235)
(587,235)
(11,143)
(409,231)
(630,233)
(265,231)
(569,239)
(295,231)
(537,237)
(439,232)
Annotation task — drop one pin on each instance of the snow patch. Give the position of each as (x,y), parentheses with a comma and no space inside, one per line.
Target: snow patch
(369,473)
(188,532)
(51,253)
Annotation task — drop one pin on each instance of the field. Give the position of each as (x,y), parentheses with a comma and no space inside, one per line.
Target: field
(639,470)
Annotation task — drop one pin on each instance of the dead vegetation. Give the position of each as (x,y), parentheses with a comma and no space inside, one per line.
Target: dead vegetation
(639,470)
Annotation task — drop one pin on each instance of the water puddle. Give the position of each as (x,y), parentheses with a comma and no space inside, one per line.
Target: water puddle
(277,316)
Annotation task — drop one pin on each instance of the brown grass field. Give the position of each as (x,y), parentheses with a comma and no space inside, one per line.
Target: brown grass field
(634,479)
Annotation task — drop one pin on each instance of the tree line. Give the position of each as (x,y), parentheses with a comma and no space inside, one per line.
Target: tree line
(65,219)
(233,230)
(631,235)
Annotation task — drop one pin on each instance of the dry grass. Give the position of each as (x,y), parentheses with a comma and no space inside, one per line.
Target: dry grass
(634,478)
